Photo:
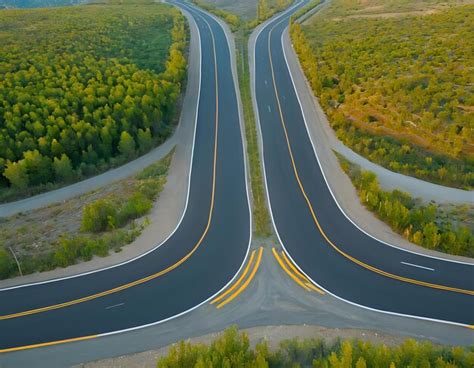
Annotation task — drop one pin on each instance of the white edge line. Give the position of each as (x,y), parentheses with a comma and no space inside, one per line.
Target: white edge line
(329,187)
(417,266)
(180,220)
(278,235)
(248,247)
(250,213)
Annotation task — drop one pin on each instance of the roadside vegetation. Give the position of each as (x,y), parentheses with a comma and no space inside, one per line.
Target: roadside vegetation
(241,34)
(93,224)
(232,349)
(395,79)
(85,88)
(448,230)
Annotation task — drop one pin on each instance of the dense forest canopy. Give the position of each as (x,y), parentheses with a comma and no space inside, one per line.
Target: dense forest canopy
(84,87)
(397,82)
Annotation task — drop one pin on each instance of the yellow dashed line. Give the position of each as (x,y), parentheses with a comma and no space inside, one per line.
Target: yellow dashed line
(246,283)
(315,219)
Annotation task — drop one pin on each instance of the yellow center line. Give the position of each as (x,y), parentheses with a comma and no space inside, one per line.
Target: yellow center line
(313,214)
(44,344)
(175,265)
(297,272)
(246,283)
(228,291)
(283,266)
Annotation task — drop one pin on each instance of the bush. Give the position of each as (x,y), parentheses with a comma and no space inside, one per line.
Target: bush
(7,265)
(99,216)
(232,349)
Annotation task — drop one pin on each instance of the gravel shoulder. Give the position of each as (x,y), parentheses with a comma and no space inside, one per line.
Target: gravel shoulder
(273,335)
(325,142)
(169,207)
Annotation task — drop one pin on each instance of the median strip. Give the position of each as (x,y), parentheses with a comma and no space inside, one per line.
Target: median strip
(245,284)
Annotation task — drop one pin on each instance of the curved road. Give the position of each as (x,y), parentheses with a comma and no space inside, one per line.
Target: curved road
(327,247)
(199,259)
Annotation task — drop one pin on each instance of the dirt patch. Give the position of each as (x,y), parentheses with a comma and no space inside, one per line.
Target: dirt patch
(274,335)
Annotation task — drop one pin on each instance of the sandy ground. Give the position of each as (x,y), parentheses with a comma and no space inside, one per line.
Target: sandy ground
(169,207)
(273,335)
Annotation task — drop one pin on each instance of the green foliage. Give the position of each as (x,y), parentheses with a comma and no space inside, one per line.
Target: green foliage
(232,349)
(81,86)
(7,265)
(99,216)
(231,19)
(260,211)
(418,223)
(395,88)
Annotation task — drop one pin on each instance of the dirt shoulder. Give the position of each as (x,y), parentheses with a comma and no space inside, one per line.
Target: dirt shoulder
(273,335)
(169,208)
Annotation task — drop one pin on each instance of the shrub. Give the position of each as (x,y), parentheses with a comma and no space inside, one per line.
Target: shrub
(99,216)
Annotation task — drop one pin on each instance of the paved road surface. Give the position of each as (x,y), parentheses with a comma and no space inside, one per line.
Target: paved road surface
(198,260)
(313,230)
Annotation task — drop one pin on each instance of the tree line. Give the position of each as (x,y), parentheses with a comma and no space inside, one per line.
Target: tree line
(85,88)
(424,225)
(232,349)
(397,90)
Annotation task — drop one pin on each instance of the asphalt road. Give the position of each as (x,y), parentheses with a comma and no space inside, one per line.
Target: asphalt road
(311,227)
(200,258)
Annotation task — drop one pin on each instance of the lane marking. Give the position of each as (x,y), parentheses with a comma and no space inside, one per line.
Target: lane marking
(228,291)
(269,108)
(114,306)
(41,345)
(135,328)
(260,137)
(289,273)
(417,266)
(246,283)
(173,266)
(313,214)
(308,283)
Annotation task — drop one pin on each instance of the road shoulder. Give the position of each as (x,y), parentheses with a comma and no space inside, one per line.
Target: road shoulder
(169,207)
(325,141)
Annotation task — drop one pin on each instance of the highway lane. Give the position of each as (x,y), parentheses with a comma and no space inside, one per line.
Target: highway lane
(311,227)
(198,259)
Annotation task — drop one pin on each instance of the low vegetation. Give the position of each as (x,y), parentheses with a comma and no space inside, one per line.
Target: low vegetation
(232,349)
(85,88)
(231,19)
(430,226)
(241,33)
(93,224)
(395,80)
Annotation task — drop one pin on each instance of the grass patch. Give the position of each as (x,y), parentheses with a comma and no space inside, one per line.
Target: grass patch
(93,224)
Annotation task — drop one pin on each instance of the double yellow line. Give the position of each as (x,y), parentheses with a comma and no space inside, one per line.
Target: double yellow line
(313,214)
(238,282)
(294,273)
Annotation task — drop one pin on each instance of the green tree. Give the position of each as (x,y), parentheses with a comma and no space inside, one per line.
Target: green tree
(126,145)
(17,174)
(99,215)
(62,168)
(145,140)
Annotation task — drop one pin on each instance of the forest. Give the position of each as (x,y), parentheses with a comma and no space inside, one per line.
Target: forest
(232,349)
(85,88)
(396,82)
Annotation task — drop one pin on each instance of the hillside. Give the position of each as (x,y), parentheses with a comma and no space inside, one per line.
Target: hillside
(83,89)
(396,81)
